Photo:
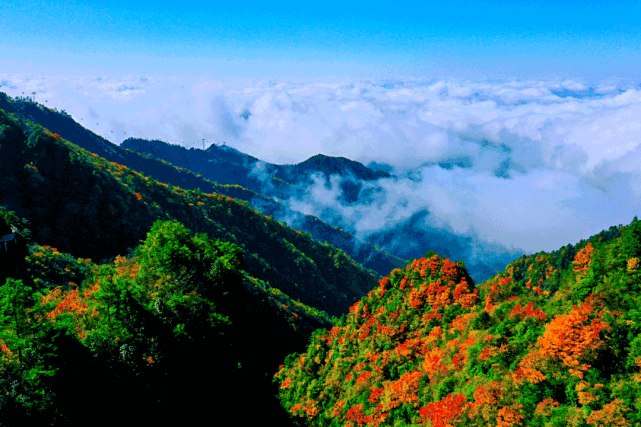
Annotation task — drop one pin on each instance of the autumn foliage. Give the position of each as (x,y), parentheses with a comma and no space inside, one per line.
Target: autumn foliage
(583,259)
(553,340)
(444,412)
(428,347)
(574,337)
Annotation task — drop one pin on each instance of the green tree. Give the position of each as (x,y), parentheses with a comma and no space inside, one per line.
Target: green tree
(23,331)
(115,293)
(182,276)
(15,299)
(631,239)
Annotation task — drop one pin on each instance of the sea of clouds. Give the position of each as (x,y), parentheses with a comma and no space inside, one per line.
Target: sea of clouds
(525,165)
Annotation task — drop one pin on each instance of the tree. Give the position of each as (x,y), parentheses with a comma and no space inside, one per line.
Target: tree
(583,258)
(631,239)
(444,412)
(574,337)
(22,330)
(610,415)
(15,299)
(182,276)
(115,292)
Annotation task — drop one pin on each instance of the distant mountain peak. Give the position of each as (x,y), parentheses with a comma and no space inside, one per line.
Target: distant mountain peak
(330,165)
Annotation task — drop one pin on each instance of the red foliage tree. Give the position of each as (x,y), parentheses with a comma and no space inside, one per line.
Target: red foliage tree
(445,412)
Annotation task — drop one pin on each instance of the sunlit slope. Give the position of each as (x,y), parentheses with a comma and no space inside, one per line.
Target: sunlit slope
(94,208)
(553,340)
(63,124)
(232,169)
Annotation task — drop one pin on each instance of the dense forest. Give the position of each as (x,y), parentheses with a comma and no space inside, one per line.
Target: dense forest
(554,340)
(126,298)
(218,170)
(94,208)
(233,265)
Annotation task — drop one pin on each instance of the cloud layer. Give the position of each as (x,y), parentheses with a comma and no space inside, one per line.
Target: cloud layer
(523,164)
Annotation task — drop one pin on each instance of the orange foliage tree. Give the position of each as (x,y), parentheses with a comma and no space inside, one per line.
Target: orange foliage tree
(509,416)
(444,412)
(583,258)
(404,390)
(486,397)
(610,415)
(573,337)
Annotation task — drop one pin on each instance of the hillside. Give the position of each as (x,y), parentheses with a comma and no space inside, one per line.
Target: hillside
(227,171)
(135,328)
(106,208)
(244,290)
(221,164)
(554,340)
(227,166)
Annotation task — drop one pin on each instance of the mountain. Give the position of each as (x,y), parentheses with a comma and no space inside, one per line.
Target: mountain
(226,165)
(334,188)
(327,166)
(553,340)
(350,173)
(135,324)
(230,168)
(221,164)
(227,159)
(146,332)
(105,207)
(281,190)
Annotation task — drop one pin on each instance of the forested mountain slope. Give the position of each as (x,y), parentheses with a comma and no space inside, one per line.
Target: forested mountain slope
(93,208)
(228,166)
(228,169)
(174,326)
(181,311)
(221,164)
(554,340)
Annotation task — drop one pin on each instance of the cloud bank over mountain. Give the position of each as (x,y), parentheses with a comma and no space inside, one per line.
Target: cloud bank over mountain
(521,164)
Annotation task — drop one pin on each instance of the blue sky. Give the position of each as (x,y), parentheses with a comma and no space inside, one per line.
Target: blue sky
(487,39)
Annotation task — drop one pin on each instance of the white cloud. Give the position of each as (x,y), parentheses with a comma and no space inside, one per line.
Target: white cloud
(540,163)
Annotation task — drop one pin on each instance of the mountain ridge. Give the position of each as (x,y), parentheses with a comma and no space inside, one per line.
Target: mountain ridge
(352,184)
(64,125)
(553,339)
